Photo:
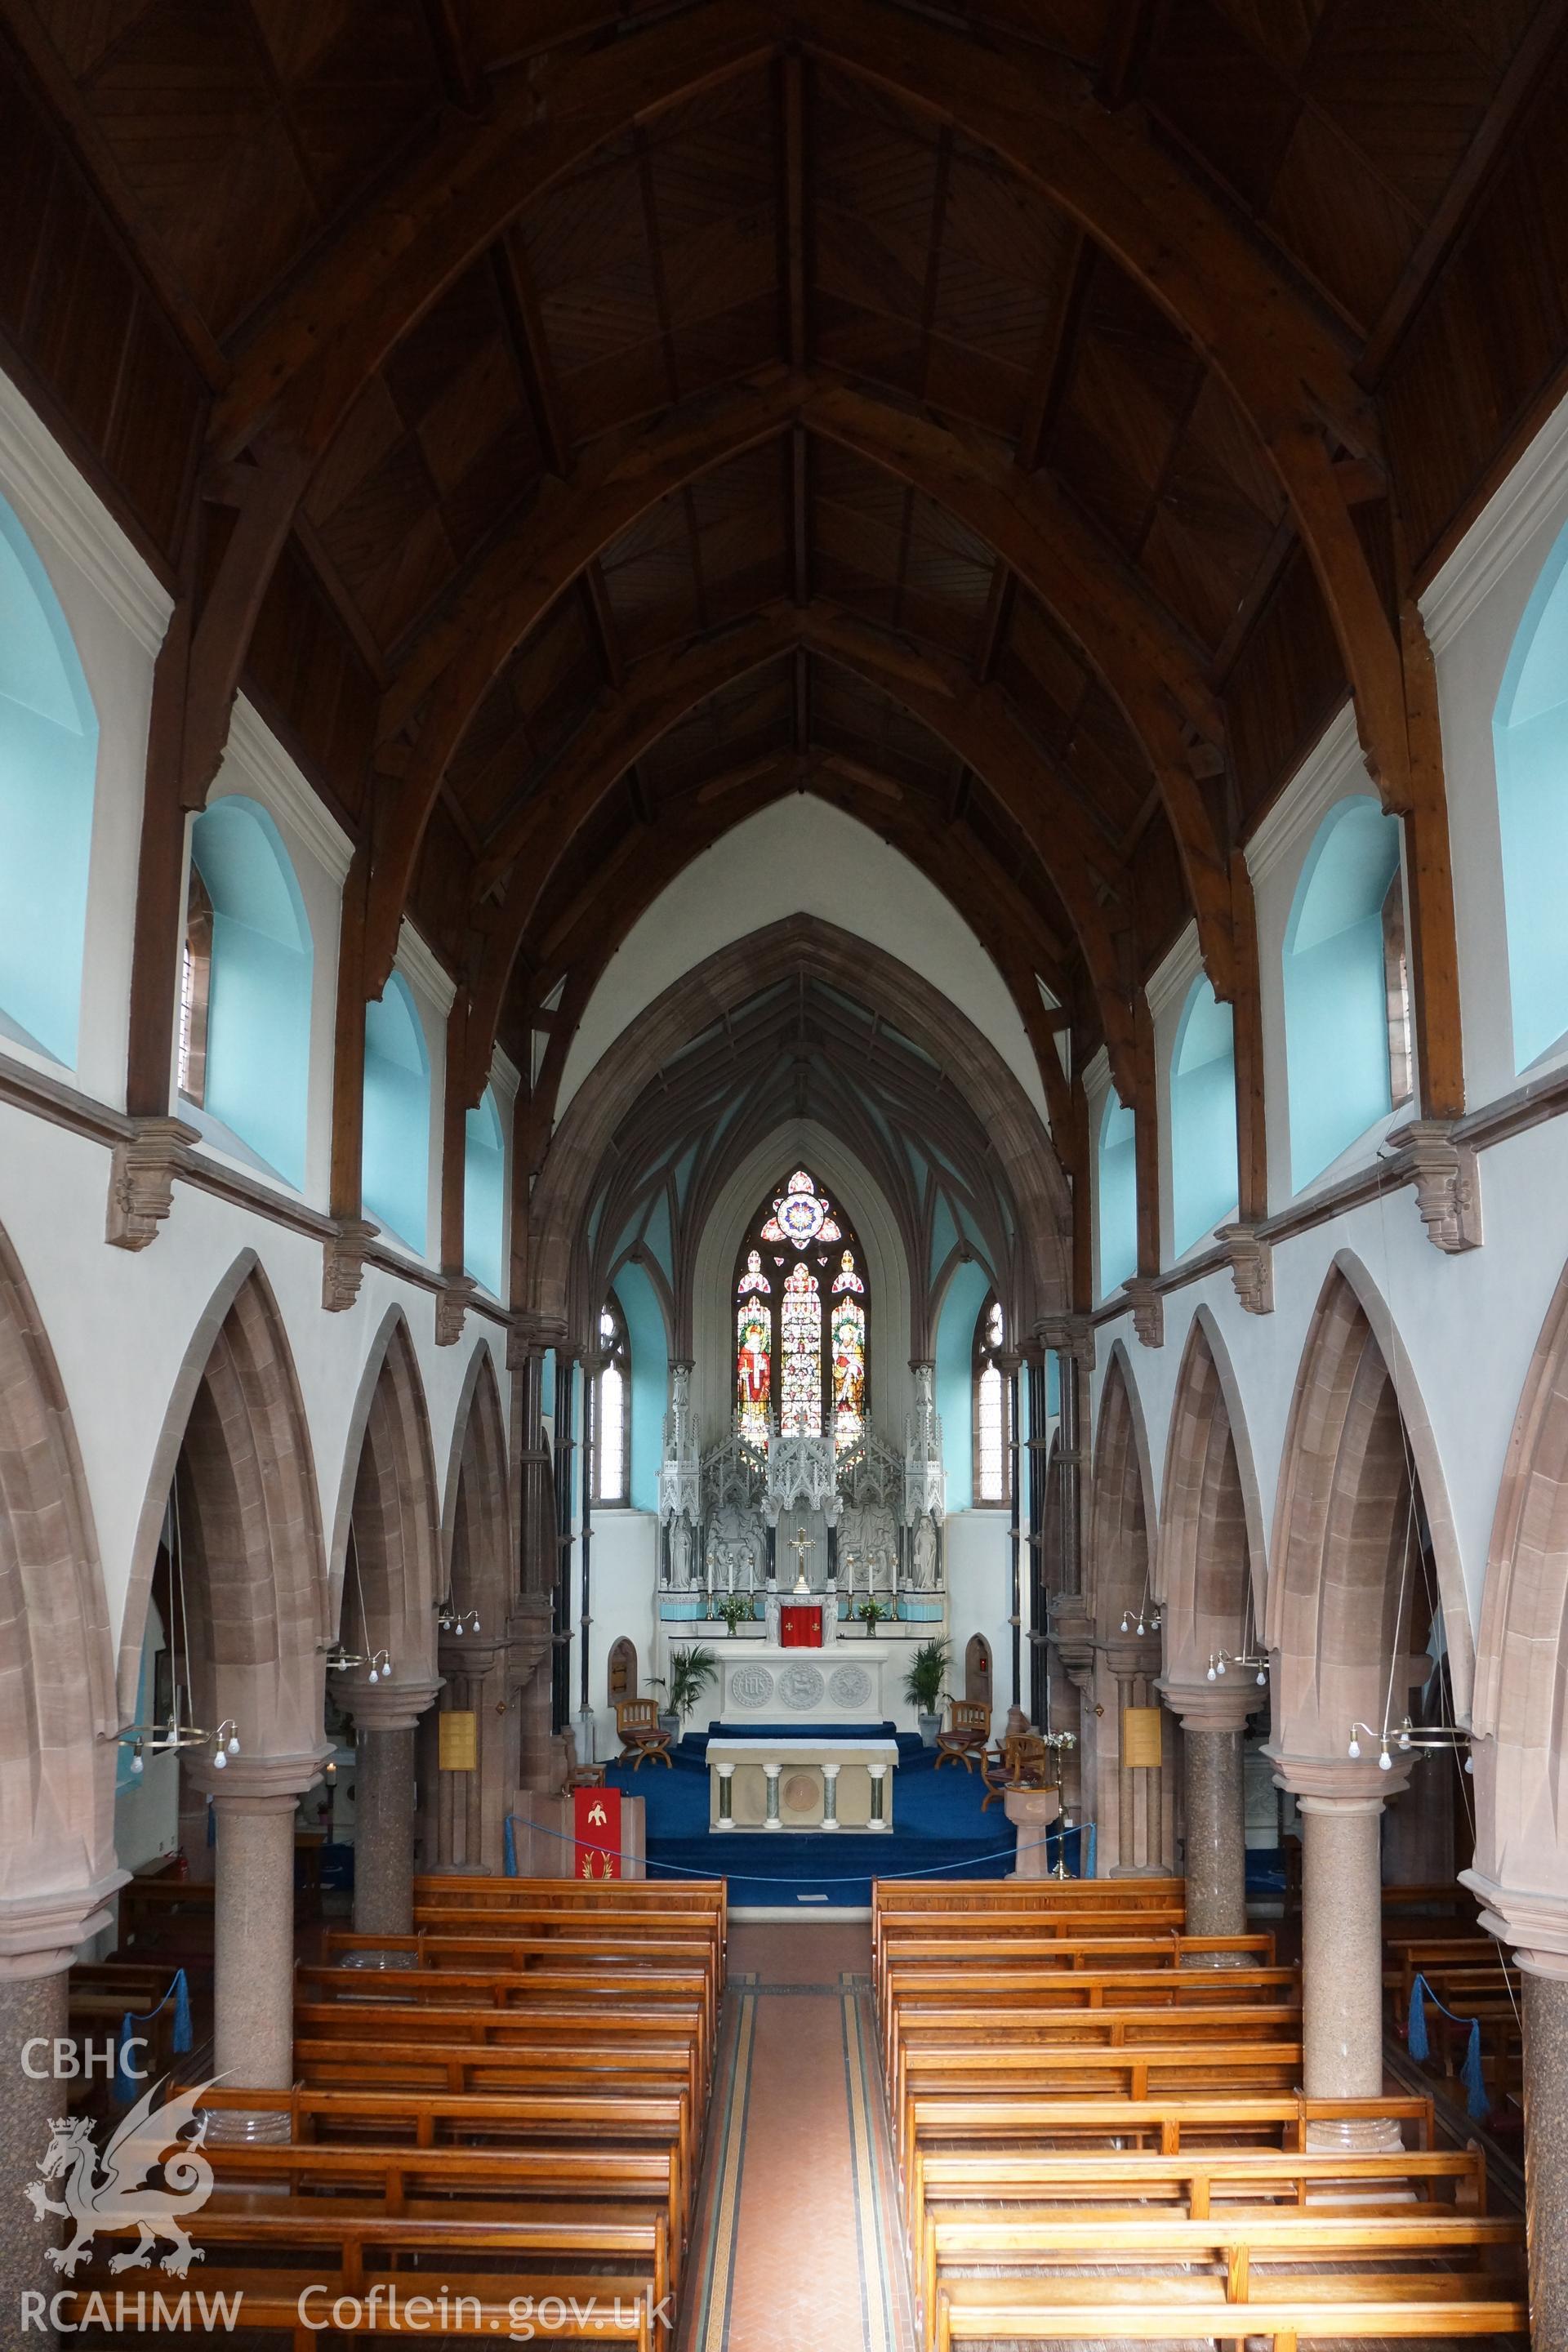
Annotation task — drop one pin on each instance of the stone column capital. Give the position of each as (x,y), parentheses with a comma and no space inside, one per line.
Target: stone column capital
(389,1706)
(1338,1783)
(1533,1921)
(1213,1706)
(40,1932)
(259,1783)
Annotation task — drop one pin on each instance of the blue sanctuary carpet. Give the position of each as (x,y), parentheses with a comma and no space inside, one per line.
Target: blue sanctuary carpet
(938,1828)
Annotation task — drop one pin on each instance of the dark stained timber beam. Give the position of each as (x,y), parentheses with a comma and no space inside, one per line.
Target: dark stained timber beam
(1156,680)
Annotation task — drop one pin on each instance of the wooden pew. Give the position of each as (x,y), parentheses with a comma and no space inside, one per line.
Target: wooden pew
(558,1968)
(954,2191)
(946,2099)
(514,2176)
(909,1989)
(356,2253)
(514,1900)
(935,2039)
(389,2024)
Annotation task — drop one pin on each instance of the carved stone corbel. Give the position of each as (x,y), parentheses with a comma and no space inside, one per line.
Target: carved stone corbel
(1448,1183)
(1147,1305)
(1068,1335)
(342,1261)
(452,1307)
(1251,1266)
(530,1335)
(142,1181)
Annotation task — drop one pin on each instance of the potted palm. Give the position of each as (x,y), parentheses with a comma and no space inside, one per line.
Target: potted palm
(923,1686)
(690,1672)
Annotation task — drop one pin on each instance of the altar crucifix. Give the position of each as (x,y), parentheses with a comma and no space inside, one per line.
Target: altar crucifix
(801,1545)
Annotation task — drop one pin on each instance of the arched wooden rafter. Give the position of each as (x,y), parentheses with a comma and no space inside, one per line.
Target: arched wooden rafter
(975,727)
(1138,655)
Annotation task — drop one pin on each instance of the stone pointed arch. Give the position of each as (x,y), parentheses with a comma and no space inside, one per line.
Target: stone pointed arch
(1209,1558)
(477,1527)
(57,1710)
(388,1511)
(728,978)
(1520,1716)
(1122,1520)
(234,1456)
(1347,1600)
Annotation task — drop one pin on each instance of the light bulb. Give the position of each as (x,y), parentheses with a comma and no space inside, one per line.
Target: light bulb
(234,1743)
(1354,1751)
(1222,1663)
(1403,1739)
(1384,1761)
(1262,1676)
(1213,1671)
(1469,1763)
(136,1764)
(374,1675)
(1124,1620)
(476,1621)
(1140,1624)
(220,1761)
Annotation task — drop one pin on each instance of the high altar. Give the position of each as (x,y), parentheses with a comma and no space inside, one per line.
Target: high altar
(809,1532)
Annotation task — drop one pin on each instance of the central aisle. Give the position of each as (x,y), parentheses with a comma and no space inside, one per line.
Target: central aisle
(797,2240)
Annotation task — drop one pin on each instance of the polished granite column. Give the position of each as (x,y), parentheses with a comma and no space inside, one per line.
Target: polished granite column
(255,1802)
(386,1716)
(1214,1724)
(1341,1966)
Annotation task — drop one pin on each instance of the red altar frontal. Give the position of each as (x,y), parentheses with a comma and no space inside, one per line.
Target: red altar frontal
(800,1623)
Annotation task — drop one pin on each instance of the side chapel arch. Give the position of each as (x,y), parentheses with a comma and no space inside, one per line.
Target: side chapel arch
(1348,1613)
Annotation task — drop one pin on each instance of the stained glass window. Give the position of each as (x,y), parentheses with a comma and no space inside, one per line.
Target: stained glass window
(800,1334)
(993,1402)
(753,1352)
(798,1272)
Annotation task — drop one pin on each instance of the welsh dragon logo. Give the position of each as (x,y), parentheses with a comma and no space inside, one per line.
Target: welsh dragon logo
(114,2193)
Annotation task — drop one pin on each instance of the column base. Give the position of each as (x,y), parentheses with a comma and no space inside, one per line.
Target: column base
(1218,1961)
(773,1825)
(827,1825)
(1355,2136)
(249,2126)
(379,1960)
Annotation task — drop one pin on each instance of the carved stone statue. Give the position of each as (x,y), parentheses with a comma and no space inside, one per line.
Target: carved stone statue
(925,1554)
(880,1543)
(736,1534)
(681,1555)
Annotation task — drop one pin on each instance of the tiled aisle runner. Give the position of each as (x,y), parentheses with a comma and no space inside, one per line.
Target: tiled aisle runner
(796,2242)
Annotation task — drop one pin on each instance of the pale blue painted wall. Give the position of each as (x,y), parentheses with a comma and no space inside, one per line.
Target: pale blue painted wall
(484,1194)
(258,1008)
(650,1380)
(395,1166)
(1529,733)
(961,1301)
(1118,1172)
(1203,1119)
(1336,995)
(48,760)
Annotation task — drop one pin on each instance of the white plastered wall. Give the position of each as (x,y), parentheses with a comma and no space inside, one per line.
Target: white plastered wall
(1459,1329)
(783,862)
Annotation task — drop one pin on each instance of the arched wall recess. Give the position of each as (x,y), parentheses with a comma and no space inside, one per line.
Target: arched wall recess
(1116,1169)
(49,763)
(395,1164)
(1203,1119)
(1530,737)
(258,1005)
(1336,986)
(484,1195)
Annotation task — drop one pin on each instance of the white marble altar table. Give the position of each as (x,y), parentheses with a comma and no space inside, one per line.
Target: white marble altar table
(823,1783)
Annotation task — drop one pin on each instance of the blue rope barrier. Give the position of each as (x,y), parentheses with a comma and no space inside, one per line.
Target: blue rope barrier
(852,1878)
(179,1992)
(1476,2105)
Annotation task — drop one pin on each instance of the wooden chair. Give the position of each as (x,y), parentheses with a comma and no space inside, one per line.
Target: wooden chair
(1022,1762)
(968,1730)
(640,1732)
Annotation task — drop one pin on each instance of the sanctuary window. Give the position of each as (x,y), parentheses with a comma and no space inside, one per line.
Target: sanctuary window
(612,1409)
(993,1411)
(802,1320)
